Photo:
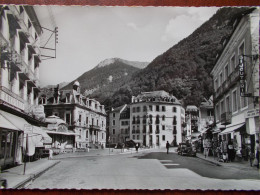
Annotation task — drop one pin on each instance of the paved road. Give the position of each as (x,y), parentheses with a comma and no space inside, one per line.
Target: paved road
(154,170)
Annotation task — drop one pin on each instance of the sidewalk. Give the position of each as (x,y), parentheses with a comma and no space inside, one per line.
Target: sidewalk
(99,152)
(15,177)
(240,165)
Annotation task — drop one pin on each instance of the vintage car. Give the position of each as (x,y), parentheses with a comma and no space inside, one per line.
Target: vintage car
(186,149)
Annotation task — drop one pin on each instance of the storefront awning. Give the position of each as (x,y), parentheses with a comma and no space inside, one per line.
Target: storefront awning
(61,133)
(11,121)
(231,129)
(5,124)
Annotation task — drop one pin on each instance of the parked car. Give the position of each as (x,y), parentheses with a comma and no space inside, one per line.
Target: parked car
(186,149)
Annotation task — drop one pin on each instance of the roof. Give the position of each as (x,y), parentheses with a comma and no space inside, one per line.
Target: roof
(119,109)
(54,120)
(158,95)
(207,103)
(192,108)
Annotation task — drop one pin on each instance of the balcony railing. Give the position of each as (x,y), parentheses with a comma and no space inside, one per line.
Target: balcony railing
(95,127)
(226,118)
(226,85)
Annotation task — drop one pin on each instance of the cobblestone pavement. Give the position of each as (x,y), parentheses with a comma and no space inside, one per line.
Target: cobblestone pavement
(135,171)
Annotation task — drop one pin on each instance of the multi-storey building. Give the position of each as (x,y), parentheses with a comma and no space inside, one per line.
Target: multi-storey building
(236,82)
(206,114)
(192,117)
(85,116)
(119,124)
(20,32)
(156,117)
(124,125)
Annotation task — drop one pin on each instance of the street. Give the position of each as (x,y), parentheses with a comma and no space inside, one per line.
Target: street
(147,170)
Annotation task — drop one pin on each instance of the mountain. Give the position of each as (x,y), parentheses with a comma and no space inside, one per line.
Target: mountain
(61,85)
(184,69)
(135,64)
(102,81)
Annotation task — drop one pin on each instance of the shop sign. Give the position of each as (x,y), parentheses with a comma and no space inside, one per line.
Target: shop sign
(226,118)
(252,113)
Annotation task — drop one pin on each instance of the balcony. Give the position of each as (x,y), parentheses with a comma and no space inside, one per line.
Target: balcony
(95,127)
(226,118)
(227,84)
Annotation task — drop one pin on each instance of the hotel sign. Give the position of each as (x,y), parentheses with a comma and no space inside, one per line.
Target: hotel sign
(252,113)
(242,78)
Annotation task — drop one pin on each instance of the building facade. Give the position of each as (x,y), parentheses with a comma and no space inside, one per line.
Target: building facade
(118,122)
(84,116)
(20,32)
(236,83)
(155,118)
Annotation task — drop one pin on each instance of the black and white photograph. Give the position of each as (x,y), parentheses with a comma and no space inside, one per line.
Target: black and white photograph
(129,97)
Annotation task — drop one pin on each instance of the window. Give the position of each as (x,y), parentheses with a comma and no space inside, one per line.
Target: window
(217,112)
(87,134)
(157,119)
(157,128)
(244,100)
(97,123)
(144,128)
(174,120)
(232,63)
(241,50)
(67,118)
(216,84)
(114,115)
(114,122)
(226,72)
(137,137)
(150,128)
(220,79)
(86,120)
(234,94)
(174,109)
(133,109)
(163,137)
(138,120)
(222,107)
(157,108)
(228,104)
(163,127)
(144,109)
(138,109)
(163,118)
(102,123)
(79,119)
(163,108)
(102,134)
(114,131)
(133,136)
(151,108)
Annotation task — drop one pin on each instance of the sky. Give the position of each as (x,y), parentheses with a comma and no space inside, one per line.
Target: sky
(88,35)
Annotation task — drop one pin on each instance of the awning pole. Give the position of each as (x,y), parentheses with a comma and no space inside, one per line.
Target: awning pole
(26,150)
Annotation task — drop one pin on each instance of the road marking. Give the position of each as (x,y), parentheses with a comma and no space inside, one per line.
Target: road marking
(171,164)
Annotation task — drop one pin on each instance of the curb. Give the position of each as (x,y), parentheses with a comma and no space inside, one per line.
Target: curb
(205,159)
(33,177)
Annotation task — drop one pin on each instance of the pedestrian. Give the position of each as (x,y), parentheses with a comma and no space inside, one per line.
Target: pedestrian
(50,154)
(257,148)
(230,150)
(167,147)
(136,147)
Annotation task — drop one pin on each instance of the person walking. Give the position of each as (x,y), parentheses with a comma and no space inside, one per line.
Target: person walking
(50,154)
(136,147)
(167,147)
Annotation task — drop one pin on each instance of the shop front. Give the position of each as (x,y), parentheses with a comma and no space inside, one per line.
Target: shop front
(63,140)
(18,139)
